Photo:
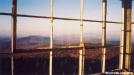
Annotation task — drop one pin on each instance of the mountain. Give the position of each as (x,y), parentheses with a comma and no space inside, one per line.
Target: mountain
(29,42)
(87,37)
(32,42)
(4,39)
(33,39)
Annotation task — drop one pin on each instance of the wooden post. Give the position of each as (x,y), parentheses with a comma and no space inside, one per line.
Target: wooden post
(81,62)
(104,11)
(12,65)
(126,34)
(51,37)
(127,4)
(14,27)
(121,41)
(83,58)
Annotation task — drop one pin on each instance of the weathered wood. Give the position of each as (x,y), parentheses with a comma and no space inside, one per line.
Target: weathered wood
(58,18)
(51,36)
(81,62)
(12,65)
(125,50)
(104,12)
(44,50)
(14,28)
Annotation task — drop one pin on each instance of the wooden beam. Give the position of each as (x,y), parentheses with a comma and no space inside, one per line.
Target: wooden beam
(51,36)
(104,12)
(125,50)
(121,41)
(58,18)
(14,28)
(128,27)
(81,58)
(12,65)
(44,50)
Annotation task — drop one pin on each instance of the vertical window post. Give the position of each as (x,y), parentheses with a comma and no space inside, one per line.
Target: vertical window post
(51,36)
(81,58)
(104,12)
(14,27)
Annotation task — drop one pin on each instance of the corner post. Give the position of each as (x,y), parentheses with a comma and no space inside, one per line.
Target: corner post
(125,49)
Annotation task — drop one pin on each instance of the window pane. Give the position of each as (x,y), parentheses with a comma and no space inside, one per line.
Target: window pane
(32,33)
(66,33)
(114,10)
(67,8)
(93,9)
(6,6)
(36,7)
(5,34)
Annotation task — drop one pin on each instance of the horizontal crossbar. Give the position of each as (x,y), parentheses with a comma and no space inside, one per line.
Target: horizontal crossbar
(44,50)
(57,18)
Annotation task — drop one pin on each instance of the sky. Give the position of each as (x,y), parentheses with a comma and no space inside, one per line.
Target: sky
(62,8)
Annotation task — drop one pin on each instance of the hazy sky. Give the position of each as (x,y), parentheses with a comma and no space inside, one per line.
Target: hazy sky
(62,8)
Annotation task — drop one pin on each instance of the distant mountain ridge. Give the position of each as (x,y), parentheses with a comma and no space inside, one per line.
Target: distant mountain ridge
(4,39)
(29,42)
(33,42)
(33,39)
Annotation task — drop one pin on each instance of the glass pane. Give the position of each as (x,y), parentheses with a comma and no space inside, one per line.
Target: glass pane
(93,9)
(66,33)
(37,7)
(67,8)
(65,62)
(114,10)
(113,33)
(32,33)
(5,34)
(113,45)
(6,6)
(92,33)
(5,65)
(92,39)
